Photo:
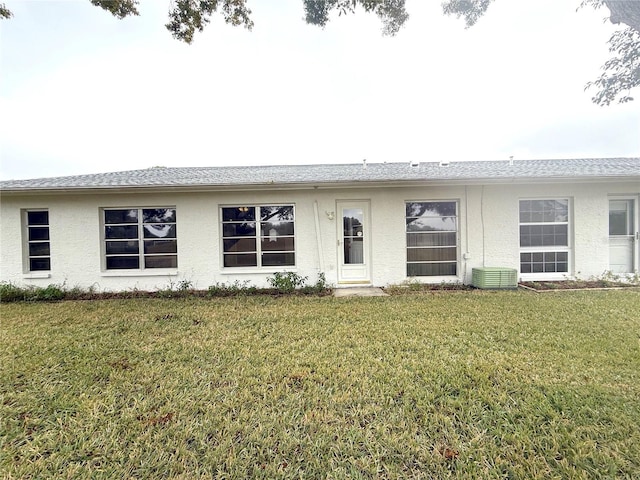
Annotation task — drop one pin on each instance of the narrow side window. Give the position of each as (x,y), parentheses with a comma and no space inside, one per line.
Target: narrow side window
(38,243)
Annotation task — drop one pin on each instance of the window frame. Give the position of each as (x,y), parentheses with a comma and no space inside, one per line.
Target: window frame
(28,242)
(257,237)
(141,255)
(456,246)
(546,249)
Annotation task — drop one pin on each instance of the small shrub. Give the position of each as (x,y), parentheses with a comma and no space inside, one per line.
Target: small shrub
(185,286)
(182,288)
(221,289)
(11,293)
(415,286)
(320,287)
(134,292)
(79,293)
(287,282)
(50,293)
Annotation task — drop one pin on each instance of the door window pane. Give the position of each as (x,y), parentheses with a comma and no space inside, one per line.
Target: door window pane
(352,221)
(620,217)
(354,251)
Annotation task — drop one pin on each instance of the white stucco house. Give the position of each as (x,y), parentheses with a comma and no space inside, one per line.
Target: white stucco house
(364,224)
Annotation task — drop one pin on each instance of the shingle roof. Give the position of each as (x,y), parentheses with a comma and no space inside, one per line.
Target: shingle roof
(336,174)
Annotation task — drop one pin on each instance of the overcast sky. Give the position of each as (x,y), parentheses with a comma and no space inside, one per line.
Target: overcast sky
(83,92)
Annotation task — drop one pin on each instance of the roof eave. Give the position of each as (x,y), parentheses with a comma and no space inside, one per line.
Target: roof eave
(109,189)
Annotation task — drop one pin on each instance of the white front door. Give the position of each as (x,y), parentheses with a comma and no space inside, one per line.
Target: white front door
(623,235)
(353,243)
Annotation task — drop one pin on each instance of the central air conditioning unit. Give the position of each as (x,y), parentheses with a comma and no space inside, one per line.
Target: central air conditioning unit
(490,278)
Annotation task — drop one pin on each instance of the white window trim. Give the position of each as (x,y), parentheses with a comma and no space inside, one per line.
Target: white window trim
(149,272)
(261,270)
(567,249)
(132,272)
(35,275)
(258,268)
(435,278)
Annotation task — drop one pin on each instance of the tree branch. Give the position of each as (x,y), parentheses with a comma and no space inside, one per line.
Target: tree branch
(624,11)
(4,11)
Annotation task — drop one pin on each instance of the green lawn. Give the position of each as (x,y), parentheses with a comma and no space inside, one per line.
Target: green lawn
(437,385)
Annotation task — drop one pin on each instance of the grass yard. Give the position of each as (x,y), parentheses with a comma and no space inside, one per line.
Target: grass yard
(436,385)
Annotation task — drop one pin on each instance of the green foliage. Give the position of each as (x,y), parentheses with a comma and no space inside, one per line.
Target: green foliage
(619,77)
(470,10)
(618,279)
(287,282)
(49,293)
(182,288)
(279,282)
(620,73)
(13,293)
(392,13)
(481,385)
(188,16)
(415,286)
(284,283)
(320,287)
(236,288)
(607,280)
(4,11)
(118,8)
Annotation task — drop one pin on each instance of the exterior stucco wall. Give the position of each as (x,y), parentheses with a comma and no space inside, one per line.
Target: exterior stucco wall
(589,223)
(488,232)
